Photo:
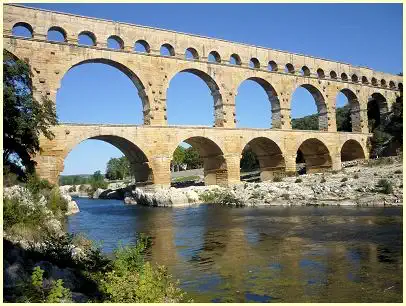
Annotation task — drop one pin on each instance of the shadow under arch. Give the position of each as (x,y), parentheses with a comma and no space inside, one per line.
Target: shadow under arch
(269,155)
(352,150)
(139,162)
(130,74)
(320,104)
(356,124)
(272,97)
(214,163)
(214,89)
(316,155)
(377,110)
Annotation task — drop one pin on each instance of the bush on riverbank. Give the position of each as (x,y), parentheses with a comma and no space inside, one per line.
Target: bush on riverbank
(217,196)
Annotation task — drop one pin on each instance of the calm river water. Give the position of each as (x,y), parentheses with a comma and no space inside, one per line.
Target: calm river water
(280,254)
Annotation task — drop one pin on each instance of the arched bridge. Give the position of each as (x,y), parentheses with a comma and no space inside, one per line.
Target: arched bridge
(223,66)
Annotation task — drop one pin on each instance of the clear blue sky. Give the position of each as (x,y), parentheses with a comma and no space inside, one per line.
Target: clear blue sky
(359,34)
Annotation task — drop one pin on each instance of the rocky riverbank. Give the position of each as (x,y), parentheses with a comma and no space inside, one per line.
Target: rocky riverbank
(373,183)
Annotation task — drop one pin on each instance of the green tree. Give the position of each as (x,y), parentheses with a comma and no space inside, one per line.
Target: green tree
(249,160)
(24,119)
(118,168)
(192,158)
(178,158)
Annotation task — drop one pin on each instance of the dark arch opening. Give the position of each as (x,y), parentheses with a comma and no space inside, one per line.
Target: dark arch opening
(364,80)
(136,166)
(254,63)
(22,29)
(289,68)
(191,54)
(212,159)
(272,66)
(235,59)
(392,84)
(167,50)
(303,113)
(400,86)
(377,111)
(354,78)
(320,73)
(115,42)
(374,81)
(111,101)
(313,156)
(383,83)
(214,57)
(255,111)
(344,76)
(333,75)
(142,46)
(351,150)
(264,155)
(186,91)
(56,34)
(305,71)
(87,38)
(348,117)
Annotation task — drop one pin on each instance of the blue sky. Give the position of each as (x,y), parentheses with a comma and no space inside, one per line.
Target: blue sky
(360,34)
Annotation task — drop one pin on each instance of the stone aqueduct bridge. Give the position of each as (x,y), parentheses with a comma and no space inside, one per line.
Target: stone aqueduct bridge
(149,147)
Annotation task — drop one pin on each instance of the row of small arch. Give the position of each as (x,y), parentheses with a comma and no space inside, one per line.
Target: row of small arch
(192,54)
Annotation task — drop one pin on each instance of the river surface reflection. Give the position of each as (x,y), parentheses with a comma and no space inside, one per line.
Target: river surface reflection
(279,254)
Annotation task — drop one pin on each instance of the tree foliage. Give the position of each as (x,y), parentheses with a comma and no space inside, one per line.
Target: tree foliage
(24,118)
(249,160)
(118,168)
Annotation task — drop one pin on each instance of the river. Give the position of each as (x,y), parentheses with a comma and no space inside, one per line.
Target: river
(277,254)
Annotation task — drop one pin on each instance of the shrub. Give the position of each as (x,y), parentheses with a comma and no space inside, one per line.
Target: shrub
(56,203)
(219,197)
(385,185)
(334,171)
(323,180)
(398,171)
(344,179)
(285,196)
(298,180)
(277,179)
(35,184)
(9,178)
(356,176)
(72,188)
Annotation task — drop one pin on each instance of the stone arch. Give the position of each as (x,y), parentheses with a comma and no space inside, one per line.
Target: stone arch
(60,30)
(320,104)
(193,52)
(333,74)
(25,25)
(377,110)
(316,155)
(144,44)
(272,66)
(90,35)
(392,85)
(169,48)
(289,68)
(305,71)
(344,76)
(216,57)
(146,105)
(138,159)
(383,83)
(364,80)
(214,89)
(354,78)
(116,39)
(273,99)
(352,150)
(235,59)
(354,104)
(320,73)
(374,81)
(254,63)
(269,155)
(214,163)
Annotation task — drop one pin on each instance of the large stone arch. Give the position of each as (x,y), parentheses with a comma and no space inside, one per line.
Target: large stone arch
(377,109)
(316,155)
(211,83)
(269,155)
(139,161)
(355,109)
(135,79)
(214,162)
(352,150)
(272,97)
(319,99)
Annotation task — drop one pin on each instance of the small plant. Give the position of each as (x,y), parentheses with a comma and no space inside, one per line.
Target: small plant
(298,180)
(323,180)
(398,171)
(256,186)
(344,179)
(72,188)
(385,185)
(356,176)
(277,179)
(334,171)
(375,174)
(285,196)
